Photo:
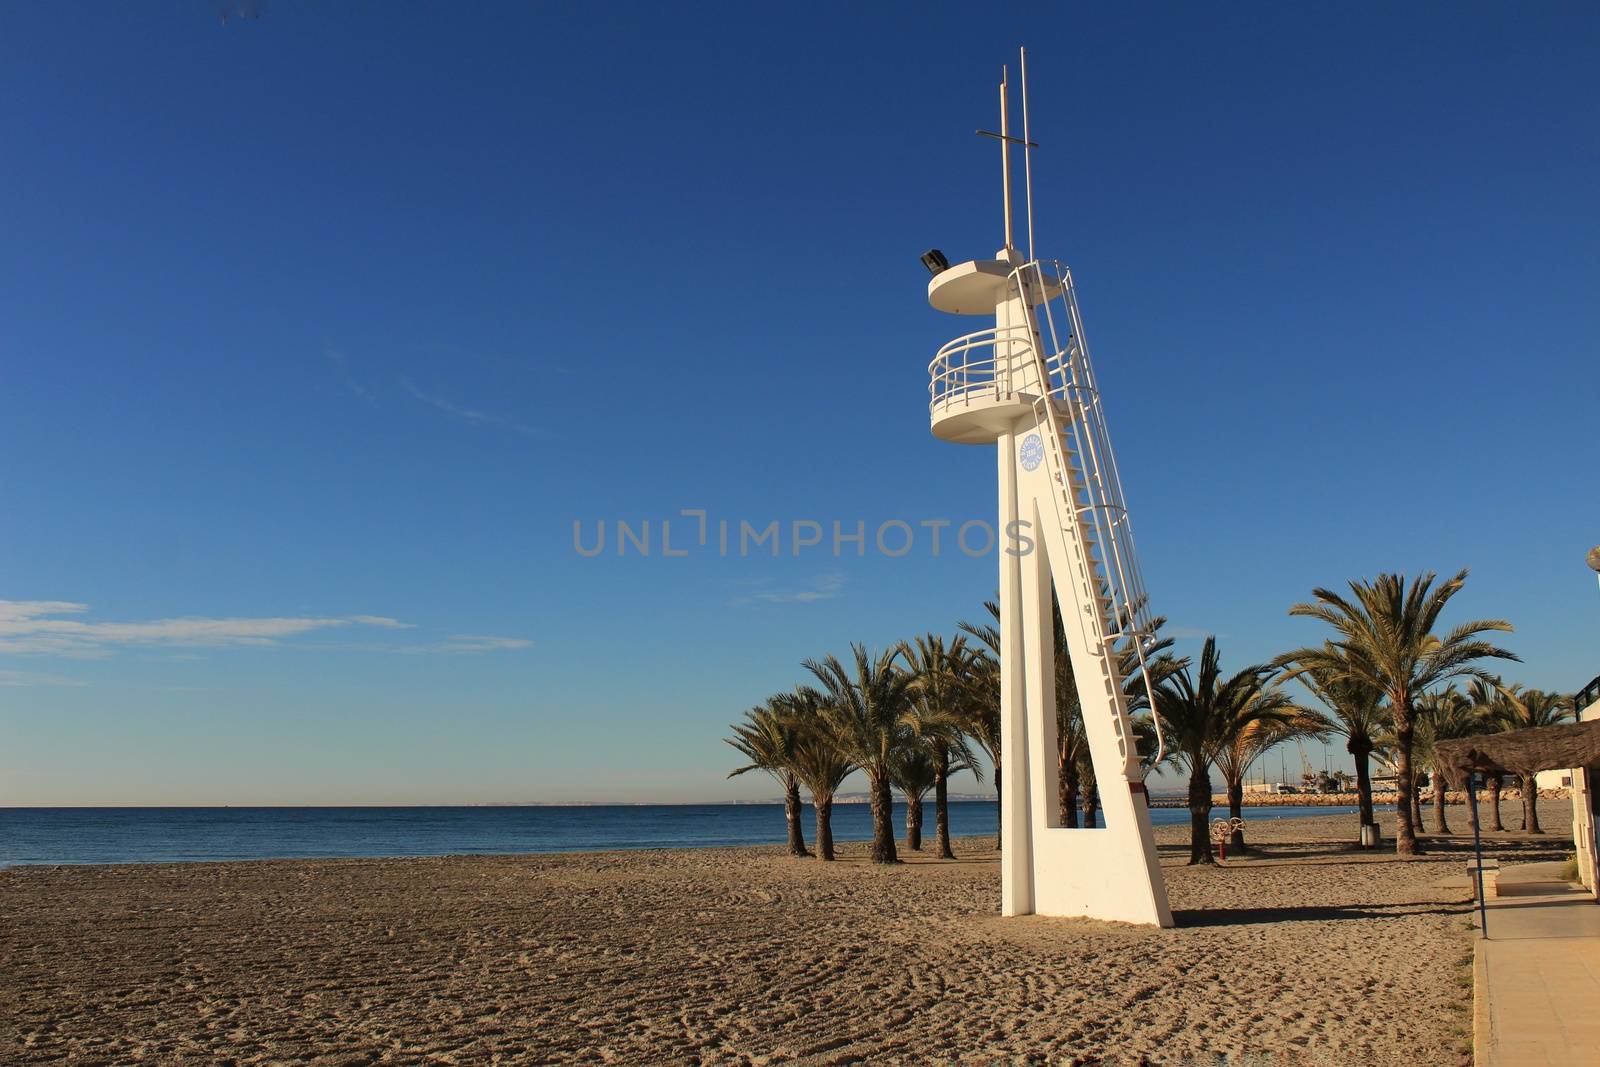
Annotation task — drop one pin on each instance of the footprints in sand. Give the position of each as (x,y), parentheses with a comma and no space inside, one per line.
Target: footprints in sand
(729,956)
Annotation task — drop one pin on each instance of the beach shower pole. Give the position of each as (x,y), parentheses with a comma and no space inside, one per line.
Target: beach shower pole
(1477,851)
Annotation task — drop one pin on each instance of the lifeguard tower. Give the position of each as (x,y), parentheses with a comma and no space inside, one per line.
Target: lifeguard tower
(1026,386)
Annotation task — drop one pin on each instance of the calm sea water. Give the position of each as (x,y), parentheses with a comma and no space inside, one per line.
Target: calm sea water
(165,835)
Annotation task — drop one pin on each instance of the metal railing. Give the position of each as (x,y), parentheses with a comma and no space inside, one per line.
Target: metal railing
(1060,329)
(978,367)
(1585,696)
(1046,360)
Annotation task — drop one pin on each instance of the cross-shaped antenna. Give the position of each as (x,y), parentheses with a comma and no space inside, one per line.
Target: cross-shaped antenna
(1006,141)
(1009,140)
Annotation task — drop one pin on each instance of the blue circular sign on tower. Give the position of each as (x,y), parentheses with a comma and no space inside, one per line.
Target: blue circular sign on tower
(1032,452)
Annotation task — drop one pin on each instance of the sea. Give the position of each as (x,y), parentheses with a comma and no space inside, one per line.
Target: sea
(181,835)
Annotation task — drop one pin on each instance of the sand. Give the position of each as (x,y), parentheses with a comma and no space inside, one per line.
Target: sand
(1307,954)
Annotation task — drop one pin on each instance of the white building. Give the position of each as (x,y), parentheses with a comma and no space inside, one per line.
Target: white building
(1586,795)
(1557,779)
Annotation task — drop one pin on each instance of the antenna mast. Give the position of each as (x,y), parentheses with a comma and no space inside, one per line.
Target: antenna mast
(1006,141)
(1027,156)
(1005,151)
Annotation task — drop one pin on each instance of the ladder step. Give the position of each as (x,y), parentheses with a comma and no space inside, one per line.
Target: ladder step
(1074,475)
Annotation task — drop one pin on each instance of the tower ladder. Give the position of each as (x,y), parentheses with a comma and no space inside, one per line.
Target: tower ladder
(1088,501)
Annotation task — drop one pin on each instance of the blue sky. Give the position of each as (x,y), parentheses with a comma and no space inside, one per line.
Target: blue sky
(319,330)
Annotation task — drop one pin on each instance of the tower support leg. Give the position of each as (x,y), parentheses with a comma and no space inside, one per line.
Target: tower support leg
(1016,821)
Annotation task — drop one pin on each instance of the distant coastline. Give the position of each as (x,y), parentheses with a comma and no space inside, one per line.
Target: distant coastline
(1508,795)
(30,836)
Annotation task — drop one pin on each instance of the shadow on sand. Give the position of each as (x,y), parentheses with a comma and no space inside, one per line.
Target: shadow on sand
(1200,917)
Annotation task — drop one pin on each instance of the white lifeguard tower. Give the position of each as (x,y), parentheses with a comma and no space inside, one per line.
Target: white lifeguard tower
(1026,385)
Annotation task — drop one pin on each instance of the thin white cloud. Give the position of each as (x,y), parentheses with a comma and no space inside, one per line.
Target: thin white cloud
(347,379)
(826,587)
(382,621)
(466,643)
(465,414)
(29,678)
(22,608)
(40,626)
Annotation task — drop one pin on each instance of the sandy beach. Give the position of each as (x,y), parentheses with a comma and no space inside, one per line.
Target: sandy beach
(1304,953)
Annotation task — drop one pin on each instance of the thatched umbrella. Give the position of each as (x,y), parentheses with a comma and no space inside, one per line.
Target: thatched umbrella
(1520,752)
(1515,752)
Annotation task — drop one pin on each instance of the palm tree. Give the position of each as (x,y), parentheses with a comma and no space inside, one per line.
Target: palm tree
(914,772)
(1077,764)
(982,687)
(1076,788)
(1357,713)
(817,762)
(1530,708)
(1201,715)
(1386,746)
(864,707)
(938,715)
(1235,755)
(1386,640)
(767,739)
(1443,716)
(1489,701)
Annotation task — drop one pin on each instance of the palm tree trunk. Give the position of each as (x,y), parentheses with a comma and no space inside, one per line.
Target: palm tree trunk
(1416,805)
(1405,838)
(1236,811)
(824,808)
(1067,793)
(1091,805)
(1361,749)
(914,822)
(1199,816)
(1495,782)
(1530,804)
(791,813)
(883,850)
(941,802)
(1439,825)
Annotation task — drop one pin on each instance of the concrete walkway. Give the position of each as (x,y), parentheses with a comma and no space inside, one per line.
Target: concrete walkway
(1536,979)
